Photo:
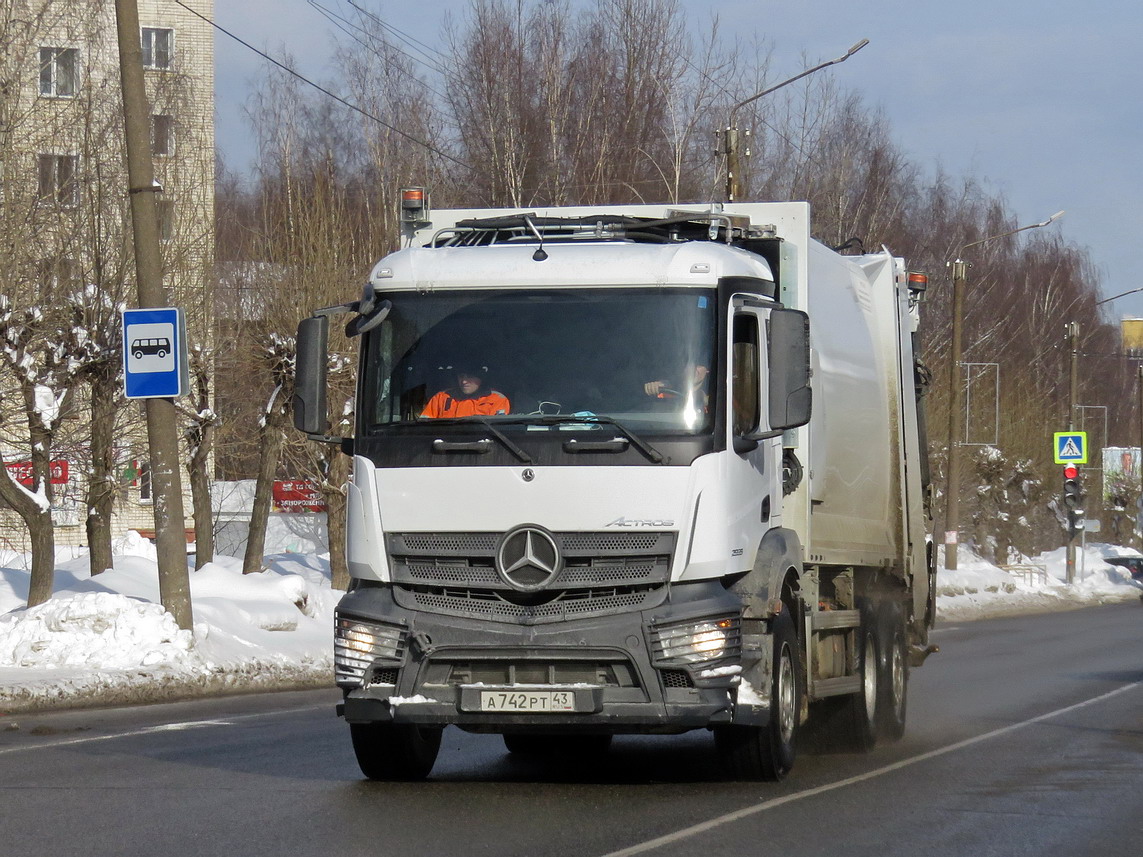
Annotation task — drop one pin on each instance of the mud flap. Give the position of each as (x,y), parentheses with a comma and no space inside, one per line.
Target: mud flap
(752,695)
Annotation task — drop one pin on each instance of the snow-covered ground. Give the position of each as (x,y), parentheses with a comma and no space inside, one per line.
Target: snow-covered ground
(105,640)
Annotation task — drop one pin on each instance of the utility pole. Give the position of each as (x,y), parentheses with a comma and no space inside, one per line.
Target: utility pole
(1073,347)
(1139,502)
(956,415)
(162,425)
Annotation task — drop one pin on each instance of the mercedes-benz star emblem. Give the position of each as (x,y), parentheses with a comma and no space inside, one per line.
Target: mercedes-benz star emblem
(528,558)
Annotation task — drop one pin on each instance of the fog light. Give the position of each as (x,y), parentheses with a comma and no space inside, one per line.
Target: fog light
(357,643)
(697,642)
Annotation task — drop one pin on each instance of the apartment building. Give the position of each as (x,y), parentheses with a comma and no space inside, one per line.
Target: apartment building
(66,266)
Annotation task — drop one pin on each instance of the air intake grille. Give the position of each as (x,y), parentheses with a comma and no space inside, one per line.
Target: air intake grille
(602,573)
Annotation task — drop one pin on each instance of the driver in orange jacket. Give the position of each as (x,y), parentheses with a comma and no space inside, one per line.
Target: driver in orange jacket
(468,398)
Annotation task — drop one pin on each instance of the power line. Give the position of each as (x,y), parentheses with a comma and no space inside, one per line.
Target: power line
(323,90)
(407,39)
(352,30)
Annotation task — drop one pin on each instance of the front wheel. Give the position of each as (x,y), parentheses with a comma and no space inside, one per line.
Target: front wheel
(767,752)
(390,751)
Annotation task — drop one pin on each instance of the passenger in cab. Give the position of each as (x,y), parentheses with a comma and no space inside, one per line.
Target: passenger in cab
(470,397)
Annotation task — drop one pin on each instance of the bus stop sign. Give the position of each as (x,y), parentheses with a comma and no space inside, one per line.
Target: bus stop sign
(154,353)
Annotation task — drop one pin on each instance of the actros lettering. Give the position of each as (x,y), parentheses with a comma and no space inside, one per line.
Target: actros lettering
(641,522)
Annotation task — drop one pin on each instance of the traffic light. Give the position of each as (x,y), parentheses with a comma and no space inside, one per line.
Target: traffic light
(1073,500)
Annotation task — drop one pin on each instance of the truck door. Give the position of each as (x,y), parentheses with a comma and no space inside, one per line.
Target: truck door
(754,479)
(768,393)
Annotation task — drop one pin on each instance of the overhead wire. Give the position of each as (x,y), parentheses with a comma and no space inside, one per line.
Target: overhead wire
(323,90)
(365,38)
(414,43)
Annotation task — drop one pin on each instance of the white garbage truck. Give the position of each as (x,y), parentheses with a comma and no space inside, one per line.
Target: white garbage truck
(631,469)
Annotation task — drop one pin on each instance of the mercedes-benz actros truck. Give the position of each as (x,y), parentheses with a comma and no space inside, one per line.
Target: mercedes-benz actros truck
(673,477)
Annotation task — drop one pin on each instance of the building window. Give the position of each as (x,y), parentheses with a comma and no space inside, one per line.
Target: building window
(58,180)
(58,72)
(158,47)
(165,210)
(162,134)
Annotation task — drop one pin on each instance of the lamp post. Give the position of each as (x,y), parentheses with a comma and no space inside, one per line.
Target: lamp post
(735,188)
(1118,296)
(956,393)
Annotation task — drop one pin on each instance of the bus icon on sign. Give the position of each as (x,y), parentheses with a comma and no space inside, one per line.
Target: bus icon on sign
(159,347)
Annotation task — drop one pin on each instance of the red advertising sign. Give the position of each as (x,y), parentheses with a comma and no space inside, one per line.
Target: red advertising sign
(297,495)
(21,471)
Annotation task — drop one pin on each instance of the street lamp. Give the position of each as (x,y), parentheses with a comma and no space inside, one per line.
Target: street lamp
(956,393)
(734,186)
(1116,297)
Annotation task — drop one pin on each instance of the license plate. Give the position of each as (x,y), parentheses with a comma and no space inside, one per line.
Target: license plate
(527,701)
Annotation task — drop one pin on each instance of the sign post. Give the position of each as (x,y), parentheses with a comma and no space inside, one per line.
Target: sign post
(1070,449)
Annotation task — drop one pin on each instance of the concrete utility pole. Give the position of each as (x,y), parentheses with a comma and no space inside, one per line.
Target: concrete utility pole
(1139,502)
(956,416)
(162,425)
(1073,379)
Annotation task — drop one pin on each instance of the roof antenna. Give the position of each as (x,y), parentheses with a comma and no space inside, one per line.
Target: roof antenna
(540,255)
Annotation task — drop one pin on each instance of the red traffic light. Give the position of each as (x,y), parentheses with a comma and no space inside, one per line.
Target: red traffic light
(1070,471)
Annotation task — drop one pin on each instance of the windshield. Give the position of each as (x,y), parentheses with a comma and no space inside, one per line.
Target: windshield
(527,358)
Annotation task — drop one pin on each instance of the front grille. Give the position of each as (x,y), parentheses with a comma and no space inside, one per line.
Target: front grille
(455,573)
(537,671)
(488,604)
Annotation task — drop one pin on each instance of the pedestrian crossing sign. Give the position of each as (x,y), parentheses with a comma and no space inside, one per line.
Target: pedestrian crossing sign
(1070,447)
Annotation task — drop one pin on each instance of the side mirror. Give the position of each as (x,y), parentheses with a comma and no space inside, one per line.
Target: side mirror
(310,376)
(789,360)
(368,320)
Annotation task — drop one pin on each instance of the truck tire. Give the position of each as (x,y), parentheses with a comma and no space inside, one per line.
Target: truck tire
(390,751)
(848,724)
(862,713)
(894,683)
(545,744)
(767,752)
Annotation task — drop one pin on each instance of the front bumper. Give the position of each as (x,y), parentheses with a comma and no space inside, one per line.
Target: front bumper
(670,668)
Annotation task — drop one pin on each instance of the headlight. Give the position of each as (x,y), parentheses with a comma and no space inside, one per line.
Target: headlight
(358,643)
(696,642)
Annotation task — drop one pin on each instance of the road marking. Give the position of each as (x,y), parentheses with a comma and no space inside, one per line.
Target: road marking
(746,812)
(162,727)
(187,724)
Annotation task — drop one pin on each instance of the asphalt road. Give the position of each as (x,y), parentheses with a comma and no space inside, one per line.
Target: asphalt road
(1025,737)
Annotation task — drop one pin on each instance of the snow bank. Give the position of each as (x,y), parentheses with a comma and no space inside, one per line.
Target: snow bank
(978,589)
(106,640)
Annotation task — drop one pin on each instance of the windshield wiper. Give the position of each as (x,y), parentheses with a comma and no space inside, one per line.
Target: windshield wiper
(495,432)
(593,419)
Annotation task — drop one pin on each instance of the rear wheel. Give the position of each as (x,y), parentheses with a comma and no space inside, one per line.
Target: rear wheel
(767,752)
(894,684)
(860,720)
(846,724)
(390,751)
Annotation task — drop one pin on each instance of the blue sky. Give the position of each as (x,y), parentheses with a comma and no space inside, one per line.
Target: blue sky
(1039,100)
